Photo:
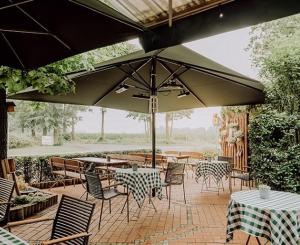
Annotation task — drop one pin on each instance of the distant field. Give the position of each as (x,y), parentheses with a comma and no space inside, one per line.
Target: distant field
(81,148)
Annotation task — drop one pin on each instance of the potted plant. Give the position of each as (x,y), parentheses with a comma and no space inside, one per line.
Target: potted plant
(264,191)
(239,135)
(209,155)
(233,125)
(231,140)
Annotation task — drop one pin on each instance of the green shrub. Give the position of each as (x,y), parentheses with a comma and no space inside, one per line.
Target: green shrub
(275,150)
(23,199)
(37,169)
(67,137)
(20,141)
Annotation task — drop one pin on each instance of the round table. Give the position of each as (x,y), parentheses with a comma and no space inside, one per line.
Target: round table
(8,238)
(277,218)
(140,182)
(216,169)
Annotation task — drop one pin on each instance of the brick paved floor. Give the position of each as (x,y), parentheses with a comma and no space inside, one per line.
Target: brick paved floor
(201,221)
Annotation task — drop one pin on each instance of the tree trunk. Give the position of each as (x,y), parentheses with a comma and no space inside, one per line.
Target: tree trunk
(56,136)
(3,127)
(73,129)
(33,132)
(23,129)
(45,131)
(171,127)
(167,119)
(103,110)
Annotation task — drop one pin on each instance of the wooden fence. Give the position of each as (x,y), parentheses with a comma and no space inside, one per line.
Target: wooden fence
(234,138)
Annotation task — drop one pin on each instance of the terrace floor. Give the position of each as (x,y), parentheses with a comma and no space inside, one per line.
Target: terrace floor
(201,221)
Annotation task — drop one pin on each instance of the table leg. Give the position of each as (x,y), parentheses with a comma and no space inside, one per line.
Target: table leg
(230,183)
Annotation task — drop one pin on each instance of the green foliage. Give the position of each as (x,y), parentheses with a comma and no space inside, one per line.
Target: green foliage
(23,199)
(274,128)
(37,169)
(51,79)
(275,150)
(20,141)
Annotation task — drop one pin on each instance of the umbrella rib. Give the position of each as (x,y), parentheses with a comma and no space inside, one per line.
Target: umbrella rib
(13,50)
(182,82)
(169,76)
(138,74)
(15,4)
(44,28)
(121,81)
(26,32)
(109,16)
(209,69)
(130,75)
(225,78)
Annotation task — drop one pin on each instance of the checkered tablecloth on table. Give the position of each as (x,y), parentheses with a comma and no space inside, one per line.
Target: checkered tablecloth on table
(277,218)
(216,169)
(140,182)
(7,238)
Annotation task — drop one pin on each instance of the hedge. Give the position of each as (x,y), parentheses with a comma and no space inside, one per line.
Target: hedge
(37,169)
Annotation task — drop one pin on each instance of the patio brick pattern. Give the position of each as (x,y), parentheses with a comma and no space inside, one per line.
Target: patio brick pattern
(201,221)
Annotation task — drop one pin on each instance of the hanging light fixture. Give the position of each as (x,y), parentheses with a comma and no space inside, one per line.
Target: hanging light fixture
(141,96)
(122,88)
(183,94)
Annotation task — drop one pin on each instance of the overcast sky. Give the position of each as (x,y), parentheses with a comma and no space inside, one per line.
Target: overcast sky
(227,49)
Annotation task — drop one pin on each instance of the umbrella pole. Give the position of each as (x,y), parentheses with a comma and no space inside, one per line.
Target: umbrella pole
(153,92)
(153,138)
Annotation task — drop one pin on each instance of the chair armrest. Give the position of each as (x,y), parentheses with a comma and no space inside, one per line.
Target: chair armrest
(239,170)
(5,203)
(25,222)
(65,239)
(114,185)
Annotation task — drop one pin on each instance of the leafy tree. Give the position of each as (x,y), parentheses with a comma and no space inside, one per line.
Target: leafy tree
(102,111)
(274,127)
(171,117)
(142,117)
(49,79)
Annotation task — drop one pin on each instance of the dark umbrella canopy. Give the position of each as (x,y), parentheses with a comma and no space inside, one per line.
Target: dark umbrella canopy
(178,77)
(38,32)
(178,71)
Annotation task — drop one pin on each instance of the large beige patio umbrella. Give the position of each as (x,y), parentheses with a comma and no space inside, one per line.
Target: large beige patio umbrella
(170,79)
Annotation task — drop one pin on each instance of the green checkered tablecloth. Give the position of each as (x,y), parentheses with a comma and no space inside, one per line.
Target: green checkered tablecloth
(216,169)
(140,182)
(277,218)
(7,238)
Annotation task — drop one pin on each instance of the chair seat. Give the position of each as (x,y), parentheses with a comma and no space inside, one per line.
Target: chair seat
(111,193)
(59,172)
(75,175)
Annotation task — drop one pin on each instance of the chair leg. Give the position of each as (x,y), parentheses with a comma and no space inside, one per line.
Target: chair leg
(169,196)
(258,241)
(247,242)
(127,201)
(183,192)
(109,201)
(101,210)
(167,192)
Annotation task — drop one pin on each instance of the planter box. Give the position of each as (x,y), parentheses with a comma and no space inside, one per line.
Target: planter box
(48,184)
(23,211)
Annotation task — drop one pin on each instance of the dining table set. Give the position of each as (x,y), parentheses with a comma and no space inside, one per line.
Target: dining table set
(139,181)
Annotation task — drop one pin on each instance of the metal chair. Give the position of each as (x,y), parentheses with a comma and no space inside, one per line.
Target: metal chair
(95,189)
(6,191)
(71,223)
(174,176)
(244,174)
